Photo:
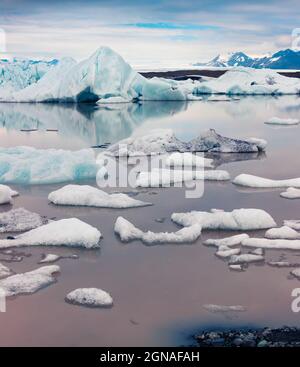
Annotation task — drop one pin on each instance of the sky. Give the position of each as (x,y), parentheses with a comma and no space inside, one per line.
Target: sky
(156,32)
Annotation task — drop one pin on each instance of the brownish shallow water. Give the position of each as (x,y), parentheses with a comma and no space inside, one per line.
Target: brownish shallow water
(158,290)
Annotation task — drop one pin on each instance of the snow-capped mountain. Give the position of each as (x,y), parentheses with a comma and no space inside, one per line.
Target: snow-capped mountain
(285,59)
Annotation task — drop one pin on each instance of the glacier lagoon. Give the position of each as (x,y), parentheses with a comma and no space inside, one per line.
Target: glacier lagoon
(159,291)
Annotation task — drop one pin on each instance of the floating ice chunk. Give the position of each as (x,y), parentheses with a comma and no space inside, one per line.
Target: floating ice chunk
(26,165)
(160,141)
(296,273)
(4,271)
(90,297)
(291,193)
(260,182)
(18,220)
(292,223)
(6,194)
(157,89)
(65,232)
(260,143)
(128,232)
(224,251)
(188,160)
(218,98)
(166,177)
(84,195)
(272,244)
(249,81)
(220,308)
(238,219)
(236,267)
(29,282)
(245,258)
(282,121)
(228,241)
(258,251)
(49,258)
(284,232)
(282,264)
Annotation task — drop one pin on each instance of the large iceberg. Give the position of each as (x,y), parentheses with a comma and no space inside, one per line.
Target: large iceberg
(240,81)
(160,141)
(26,165)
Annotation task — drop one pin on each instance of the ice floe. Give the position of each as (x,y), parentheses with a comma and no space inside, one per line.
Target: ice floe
(227,241)
(284,232)
(188,160)
(4,271)
(70,232)
(245,258)
(7,194)
(260,182)
(128,232)
(282,121)
(165,177)
(225,251)
(292,223)
(296,273)
(238,219)
(291,193)
(236,267)
(161,141)
(90,297)
(29,282)
(249,81)
(20,219)
(84,195)
(27,165)
(49,258)
(265,243)
(221,308)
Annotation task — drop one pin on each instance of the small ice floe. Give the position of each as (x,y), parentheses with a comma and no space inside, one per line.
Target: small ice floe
(165,177)
(227,241)
(282,264)
(237,220)
(284,232)
(188,160)
(27,165)
(258,251)
(236,267)
(272,244)
(49,258)
(291,193)
(220,308)
(161,141)
(84,195)
(5,271)
(293,223)
(90,297)
(7,194)
(128,232)
(29,282)
(264,183)
(18,220)
(70,232)
(225,251)
(246,258)
(296,273)
(282,121)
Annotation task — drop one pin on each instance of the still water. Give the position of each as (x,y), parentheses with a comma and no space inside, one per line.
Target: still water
(158,290)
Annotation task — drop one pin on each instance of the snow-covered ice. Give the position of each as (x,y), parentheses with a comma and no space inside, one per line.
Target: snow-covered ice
(4,271)
(27,165)
(161,141)
(128,232)
(249,81)
(29,282)
(165,177)
(227,241)
(6,194)
(84,195)
(20,219)
(188,160)
(284,232)
(282,121)
(260,182)
(291,193)
(265,243)
(90,297)
(238,219)
(70,232)
(293,223)
(245,258)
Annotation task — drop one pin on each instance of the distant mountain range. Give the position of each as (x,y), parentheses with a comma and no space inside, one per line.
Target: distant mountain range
(285,59)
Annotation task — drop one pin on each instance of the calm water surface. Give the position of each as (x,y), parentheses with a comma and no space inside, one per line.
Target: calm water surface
(158,290)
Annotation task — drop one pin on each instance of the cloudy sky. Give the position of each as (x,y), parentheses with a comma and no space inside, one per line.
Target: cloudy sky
(156,32)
